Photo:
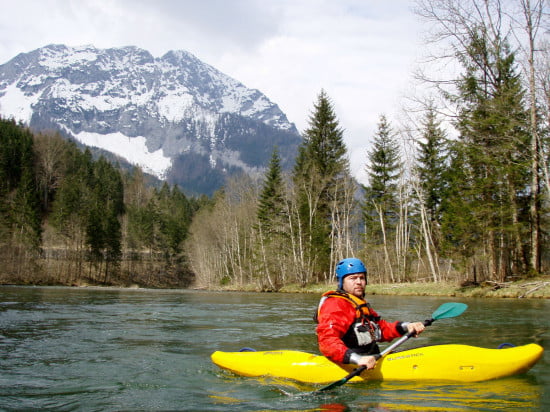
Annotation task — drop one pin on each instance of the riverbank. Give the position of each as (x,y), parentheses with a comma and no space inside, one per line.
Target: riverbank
(537,288)
(533,288)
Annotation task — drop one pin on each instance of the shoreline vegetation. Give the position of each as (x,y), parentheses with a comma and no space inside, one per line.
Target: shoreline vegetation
(532,288)
(537,287)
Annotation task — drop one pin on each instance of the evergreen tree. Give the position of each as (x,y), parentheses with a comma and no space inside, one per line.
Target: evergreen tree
(158,221)
(323,149)
(380,201)
(87,210)
(319,174)
(273,225)
(272,211)
(431,165)
(493,132)
(71,203)
(20,209)
(11,139)
(103,231)
(460,226)
(174,217)
(140,216)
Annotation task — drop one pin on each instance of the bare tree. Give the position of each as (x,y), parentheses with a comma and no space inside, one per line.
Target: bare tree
(543,82)
(221,240)
(529,25)
(50,148)
(342,221)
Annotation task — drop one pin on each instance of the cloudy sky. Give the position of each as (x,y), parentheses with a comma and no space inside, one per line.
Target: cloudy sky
(361,52)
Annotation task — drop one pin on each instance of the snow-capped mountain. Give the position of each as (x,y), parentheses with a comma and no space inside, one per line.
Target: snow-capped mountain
(175,116)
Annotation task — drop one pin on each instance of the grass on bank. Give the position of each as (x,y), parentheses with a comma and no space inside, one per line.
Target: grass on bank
(537,287)
(533,287)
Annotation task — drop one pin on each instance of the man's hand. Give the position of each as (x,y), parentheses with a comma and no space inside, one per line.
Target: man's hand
(416,328)
(368,361)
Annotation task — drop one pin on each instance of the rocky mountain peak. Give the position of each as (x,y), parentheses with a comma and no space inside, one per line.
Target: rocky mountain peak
(171,115)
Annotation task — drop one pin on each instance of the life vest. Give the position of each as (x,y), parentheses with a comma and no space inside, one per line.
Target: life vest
(364,332)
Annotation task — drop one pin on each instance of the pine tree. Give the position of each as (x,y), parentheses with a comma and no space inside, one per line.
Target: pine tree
(273,225)
(319,174)
(459,222)
(272,211)
(380,200)
(20,208)
(87,210)
(71,202)
(107,188)
(139,215)
(175,215)
(493,131)
(431,165)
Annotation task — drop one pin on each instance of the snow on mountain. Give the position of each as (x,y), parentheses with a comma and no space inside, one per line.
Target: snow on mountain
(154,112)
(14,103)
(132,149)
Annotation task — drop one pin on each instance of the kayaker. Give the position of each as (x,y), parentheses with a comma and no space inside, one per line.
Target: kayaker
(348,328)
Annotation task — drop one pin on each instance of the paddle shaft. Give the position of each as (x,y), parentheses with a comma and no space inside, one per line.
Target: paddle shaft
(401,340)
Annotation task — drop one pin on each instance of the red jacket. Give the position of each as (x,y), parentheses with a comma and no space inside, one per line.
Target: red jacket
(336,317)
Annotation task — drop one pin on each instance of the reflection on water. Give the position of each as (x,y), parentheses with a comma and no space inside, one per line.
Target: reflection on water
(115,349)
(512,393)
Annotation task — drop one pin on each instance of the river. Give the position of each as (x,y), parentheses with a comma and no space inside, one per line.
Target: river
(95,349)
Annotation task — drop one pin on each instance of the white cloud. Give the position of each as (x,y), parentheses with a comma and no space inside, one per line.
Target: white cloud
(361,52)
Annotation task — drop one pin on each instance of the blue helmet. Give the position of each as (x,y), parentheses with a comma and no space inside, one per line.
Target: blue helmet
(348,266)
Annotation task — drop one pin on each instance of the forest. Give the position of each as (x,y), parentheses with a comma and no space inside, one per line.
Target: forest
(67,218)
(458,189)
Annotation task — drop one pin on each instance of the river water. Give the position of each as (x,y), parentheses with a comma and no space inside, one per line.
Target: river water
(125,349)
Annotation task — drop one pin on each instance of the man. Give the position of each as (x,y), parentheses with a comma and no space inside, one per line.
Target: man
(349,329)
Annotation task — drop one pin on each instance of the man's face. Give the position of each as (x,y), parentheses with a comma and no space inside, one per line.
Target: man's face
(355,284)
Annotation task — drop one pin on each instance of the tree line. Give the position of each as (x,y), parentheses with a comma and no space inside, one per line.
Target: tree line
(456,192)
(67,218)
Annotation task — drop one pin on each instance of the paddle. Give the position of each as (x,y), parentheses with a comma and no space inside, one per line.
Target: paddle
(447,310)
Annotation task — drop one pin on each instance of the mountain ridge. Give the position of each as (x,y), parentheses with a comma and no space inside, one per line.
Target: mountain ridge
(163,114)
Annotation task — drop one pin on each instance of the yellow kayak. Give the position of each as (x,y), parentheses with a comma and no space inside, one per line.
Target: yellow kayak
(459,363)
